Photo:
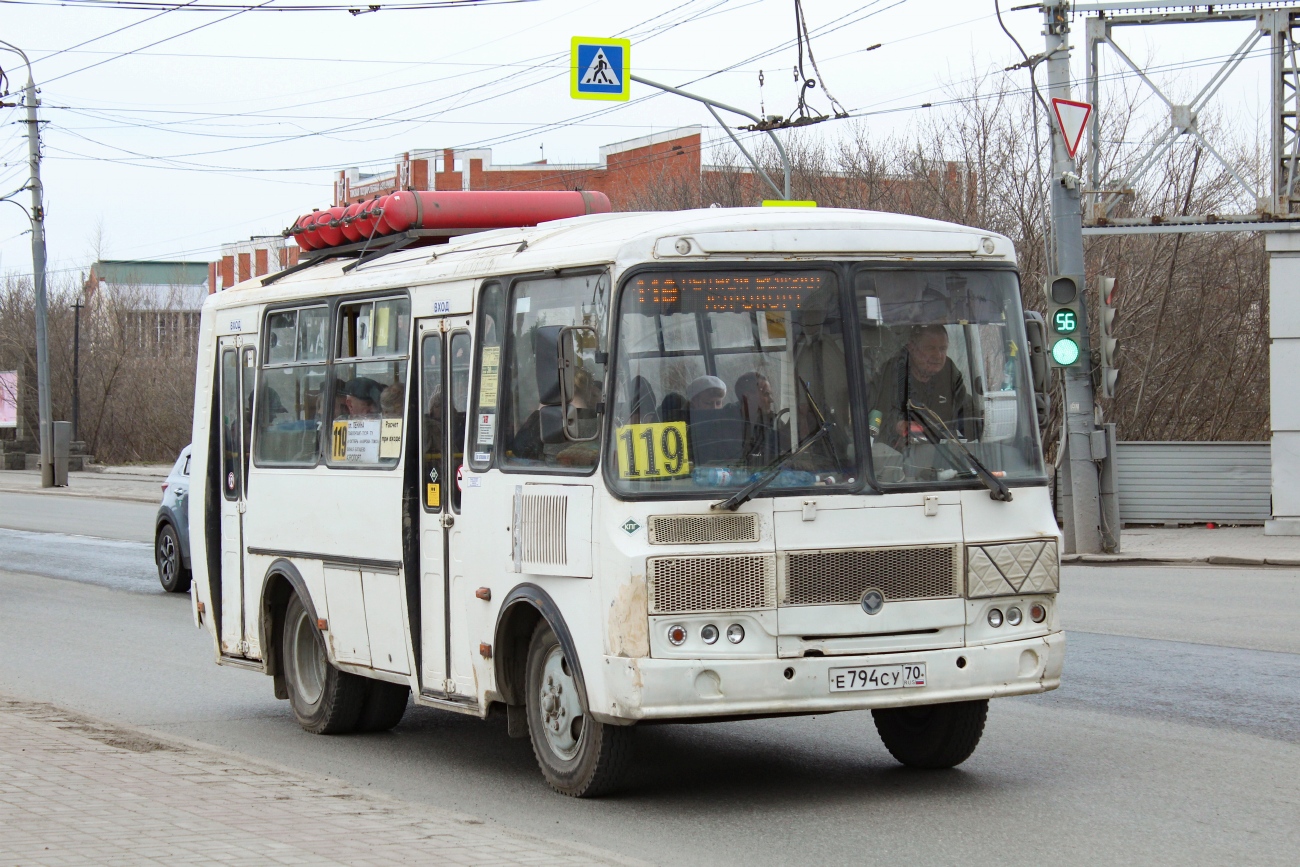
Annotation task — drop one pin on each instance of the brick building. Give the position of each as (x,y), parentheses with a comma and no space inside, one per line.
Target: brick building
(625,170)
(260,254)
(157,303)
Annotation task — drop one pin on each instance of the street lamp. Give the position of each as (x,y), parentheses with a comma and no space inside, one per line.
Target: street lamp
(37,216)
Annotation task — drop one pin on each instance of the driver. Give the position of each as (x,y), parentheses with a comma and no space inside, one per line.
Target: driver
(923,374)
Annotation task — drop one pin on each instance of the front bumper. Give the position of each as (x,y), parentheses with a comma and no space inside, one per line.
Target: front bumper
(644,689)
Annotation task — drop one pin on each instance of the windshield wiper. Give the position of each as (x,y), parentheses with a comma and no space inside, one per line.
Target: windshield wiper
(772,470)
(998,489)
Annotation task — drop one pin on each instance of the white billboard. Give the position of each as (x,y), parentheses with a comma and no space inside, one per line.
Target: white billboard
(8,398)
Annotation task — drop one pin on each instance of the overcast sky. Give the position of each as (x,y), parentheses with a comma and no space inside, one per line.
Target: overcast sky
(236,128)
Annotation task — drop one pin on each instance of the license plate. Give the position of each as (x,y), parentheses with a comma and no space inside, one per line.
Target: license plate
(908,674)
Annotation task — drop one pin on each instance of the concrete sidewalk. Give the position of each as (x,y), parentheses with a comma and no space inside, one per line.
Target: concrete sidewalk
(75,790)
(1225,546)
(140,484)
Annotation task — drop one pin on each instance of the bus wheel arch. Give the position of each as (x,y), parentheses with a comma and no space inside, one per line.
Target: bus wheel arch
(282,582)
(524,607)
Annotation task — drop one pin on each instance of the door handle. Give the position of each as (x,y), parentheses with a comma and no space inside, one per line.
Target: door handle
(447,520)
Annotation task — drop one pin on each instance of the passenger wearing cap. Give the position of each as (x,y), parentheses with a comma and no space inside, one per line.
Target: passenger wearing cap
(361,397)
(706,392)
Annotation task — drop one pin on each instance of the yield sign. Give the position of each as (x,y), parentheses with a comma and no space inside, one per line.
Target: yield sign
(1071,117)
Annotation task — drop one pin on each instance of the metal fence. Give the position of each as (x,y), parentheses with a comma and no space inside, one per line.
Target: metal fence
(1192,483)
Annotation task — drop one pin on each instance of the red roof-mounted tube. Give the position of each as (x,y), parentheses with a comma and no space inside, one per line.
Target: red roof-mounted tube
(445,211)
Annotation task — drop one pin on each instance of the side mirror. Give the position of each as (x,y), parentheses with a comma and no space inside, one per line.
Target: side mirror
(546,354)
(1036,331)
(582,376)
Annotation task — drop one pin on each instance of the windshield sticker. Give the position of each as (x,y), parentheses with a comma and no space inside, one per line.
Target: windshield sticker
(487,387)
(653,451)
(390,438)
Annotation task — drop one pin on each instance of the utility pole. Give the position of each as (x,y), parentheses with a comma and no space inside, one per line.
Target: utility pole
(37,216)
(76,370)
(1081,505)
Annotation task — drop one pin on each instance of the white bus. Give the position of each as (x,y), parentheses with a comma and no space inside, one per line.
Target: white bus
(631,468)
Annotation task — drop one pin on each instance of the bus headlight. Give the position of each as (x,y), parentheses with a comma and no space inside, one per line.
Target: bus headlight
(735,633)
(995,618)
(709,634)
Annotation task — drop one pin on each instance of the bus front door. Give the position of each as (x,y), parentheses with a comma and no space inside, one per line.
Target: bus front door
(238,376)
(444,395)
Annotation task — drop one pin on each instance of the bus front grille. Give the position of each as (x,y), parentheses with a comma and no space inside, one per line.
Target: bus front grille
(842,576)
(723,583)
(699,529)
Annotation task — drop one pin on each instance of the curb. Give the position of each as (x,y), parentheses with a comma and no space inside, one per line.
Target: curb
(1212,560)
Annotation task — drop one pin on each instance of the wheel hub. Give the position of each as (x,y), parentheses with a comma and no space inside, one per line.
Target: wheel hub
(561,709)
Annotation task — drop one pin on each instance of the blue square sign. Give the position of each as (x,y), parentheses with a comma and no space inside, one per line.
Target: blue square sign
(600,68)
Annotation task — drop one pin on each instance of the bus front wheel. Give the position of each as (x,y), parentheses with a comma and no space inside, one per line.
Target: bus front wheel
(934,735)
(325,701)
(578,756)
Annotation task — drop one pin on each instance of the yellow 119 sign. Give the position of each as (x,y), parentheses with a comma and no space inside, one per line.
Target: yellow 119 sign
(652,451)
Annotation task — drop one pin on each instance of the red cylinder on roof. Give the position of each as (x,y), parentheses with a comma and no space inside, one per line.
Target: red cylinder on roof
(328,230)
(442,211)
(486,209)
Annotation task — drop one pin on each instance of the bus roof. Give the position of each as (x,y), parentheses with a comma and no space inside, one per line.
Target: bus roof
(627,238)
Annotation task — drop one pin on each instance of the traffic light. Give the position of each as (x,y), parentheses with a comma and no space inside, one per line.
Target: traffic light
(1064,316)
(1107,302)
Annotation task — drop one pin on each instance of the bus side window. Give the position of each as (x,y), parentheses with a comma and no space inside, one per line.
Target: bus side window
(487,375)
(434,433)
(230,424)
(533,418)
(291,403)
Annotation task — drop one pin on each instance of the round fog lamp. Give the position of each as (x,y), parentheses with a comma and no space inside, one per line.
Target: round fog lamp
(1038,612)
(676,635)
(1014,617)
(995,618)
(709,634)
(735,633)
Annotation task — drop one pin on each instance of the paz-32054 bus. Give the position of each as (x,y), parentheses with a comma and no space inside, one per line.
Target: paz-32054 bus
(633,467)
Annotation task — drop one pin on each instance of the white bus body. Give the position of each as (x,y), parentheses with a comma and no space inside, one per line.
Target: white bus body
(379,514)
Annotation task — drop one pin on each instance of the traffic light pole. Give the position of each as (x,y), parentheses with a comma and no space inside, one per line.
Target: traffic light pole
(1080,500)
(43,410)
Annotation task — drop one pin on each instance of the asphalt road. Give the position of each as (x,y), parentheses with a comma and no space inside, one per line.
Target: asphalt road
(1156,751)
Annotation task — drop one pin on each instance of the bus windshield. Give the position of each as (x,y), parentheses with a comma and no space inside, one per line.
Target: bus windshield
(948,382)
(721,372)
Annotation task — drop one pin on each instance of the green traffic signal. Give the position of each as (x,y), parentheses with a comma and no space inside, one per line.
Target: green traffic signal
(1065,352)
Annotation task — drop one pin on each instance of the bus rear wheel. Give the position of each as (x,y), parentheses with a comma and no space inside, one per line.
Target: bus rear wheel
(578,756)
(325,701)
(932,736)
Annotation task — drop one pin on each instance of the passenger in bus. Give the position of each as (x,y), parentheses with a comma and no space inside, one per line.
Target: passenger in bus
(361,397)
(706,393)
(923,374)
(715,429)
(390,400)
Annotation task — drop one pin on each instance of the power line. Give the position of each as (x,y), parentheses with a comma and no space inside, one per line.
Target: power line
(274,6)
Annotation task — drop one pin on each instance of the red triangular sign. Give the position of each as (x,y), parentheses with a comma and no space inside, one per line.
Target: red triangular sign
(1072,118)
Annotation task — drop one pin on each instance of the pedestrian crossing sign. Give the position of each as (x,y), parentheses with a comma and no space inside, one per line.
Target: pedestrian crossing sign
(600,68)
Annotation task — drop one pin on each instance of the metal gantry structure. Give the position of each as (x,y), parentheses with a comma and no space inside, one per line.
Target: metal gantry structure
(1274,206)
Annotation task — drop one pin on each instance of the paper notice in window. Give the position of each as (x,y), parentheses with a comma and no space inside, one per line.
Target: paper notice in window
(487,428)
(487,387)
(390,438)
(362,445)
